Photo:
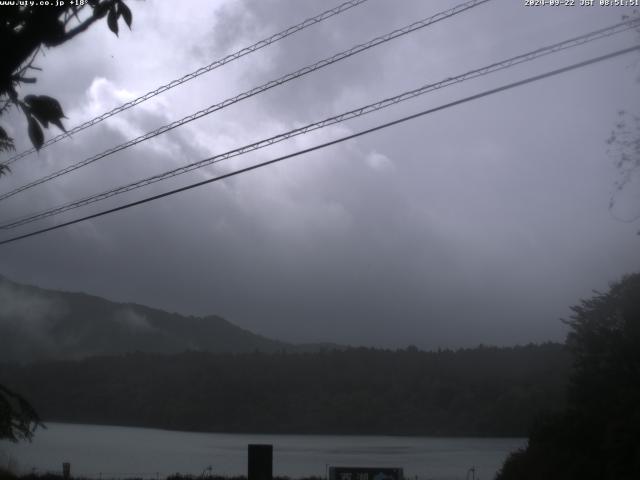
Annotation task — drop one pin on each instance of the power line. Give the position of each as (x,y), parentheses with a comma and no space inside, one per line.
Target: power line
(202,70)
(256,90)
(332,142)
(501,65)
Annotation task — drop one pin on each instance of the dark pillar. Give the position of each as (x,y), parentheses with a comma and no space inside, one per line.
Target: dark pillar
(260,462)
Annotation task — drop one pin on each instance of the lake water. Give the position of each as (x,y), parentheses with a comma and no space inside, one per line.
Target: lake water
(111,452)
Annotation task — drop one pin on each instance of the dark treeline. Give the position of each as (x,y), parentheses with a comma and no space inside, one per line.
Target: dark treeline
(484,391)
(597,435)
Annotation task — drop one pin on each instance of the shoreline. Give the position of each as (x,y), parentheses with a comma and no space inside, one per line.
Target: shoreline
(285,434)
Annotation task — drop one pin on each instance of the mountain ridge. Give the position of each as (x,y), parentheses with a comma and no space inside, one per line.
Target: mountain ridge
(44,324)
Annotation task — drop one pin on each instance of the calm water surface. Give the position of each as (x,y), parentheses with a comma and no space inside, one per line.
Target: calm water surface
(104,451)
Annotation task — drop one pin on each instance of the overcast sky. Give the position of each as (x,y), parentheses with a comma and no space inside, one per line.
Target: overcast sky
(482,223)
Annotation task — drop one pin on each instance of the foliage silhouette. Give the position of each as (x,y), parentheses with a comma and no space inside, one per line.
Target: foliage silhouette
(24,31)
(624,147)
(596,436)
(18,419)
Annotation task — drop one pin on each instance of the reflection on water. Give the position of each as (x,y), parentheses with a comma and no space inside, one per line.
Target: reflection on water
(101,451)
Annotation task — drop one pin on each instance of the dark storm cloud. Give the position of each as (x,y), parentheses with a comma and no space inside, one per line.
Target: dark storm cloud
(479,224)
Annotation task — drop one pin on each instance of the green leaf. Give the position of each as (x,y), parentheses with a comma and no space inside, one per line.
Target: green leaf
(46,109)
(4,136)
(126,13)
(6,144)
(59,124)
(35,132)
(112,20)
(100,9)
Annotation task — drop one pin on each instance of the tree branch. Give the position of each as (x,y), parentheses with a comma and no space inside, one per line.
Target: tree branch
(97,15)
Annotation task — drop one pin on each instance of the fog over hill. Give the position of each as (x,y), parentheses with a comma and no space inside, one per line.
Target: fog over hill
(81,358)
(40,324)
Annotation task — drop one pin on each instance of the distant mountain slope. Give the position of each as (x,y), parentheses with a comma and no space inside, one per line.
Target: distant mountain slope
(40,324)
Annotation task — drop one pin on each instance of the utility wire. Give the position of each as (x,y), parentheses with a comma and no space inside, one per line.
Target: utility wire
(254,91)
(504,64)
(202,70)
(333,142)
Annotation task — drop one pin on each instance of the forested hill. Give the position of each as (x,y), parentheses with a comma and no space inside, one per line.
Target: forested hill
(41,324)
(476,392)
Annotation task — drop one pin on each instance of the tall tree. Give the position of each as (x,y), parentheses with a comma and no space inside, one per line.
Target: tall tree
(597,436)
(624,148)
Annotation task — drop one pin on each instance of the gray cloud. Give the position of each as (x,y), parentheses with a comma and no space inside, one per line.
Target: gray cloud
(27,310)
(133,320)
(482,223)
(26,318)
